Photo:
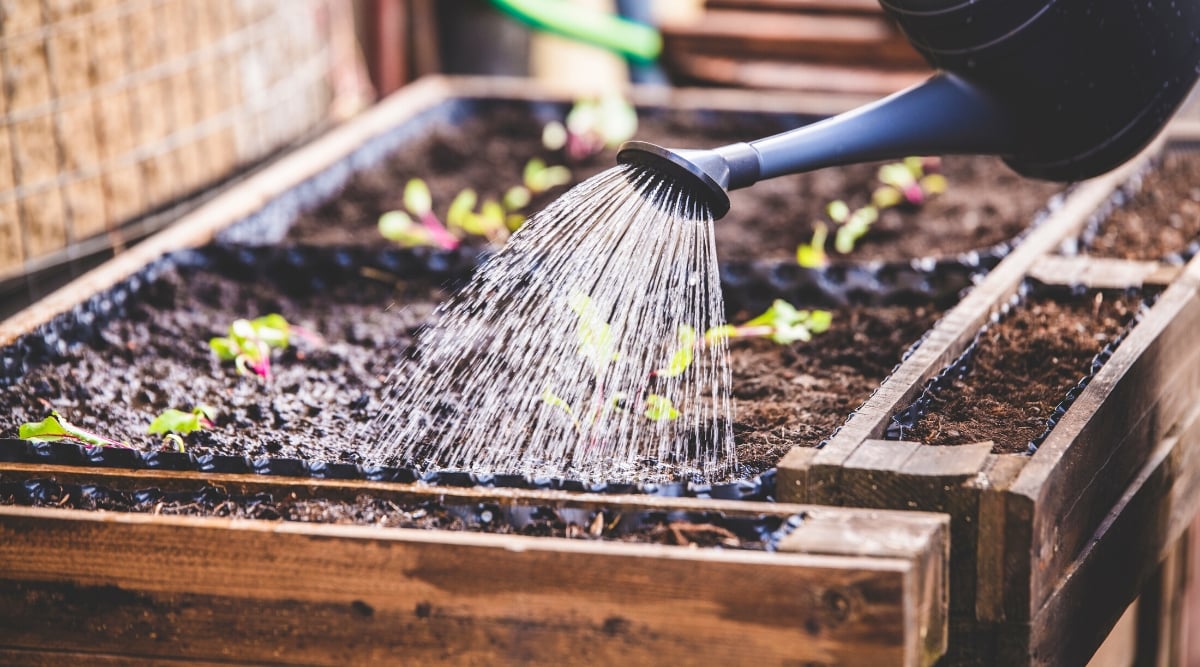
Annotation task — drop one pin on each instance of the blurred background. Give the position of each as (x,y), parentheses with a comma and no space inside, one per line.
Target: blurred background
(119,115)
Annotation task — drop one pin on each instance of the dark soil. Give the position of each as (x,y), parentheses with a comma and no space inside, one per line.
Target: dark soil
(158,358)
(1024,367)
(986,203)
(798,394)
(1163,218)
(367,510)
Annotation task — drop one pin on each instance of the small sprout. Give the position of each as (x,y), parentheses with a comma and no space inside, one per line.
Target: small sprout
(554,135)
(591,126)
(249,343)
(682,358)
(417,198)
(173,441)
(660,408)
(596,342)
(517,198)
(172,421)
(55,428)
(912,181)
(400,228)
(837,211)
(887,197)
(784,324)
(812,255)
(554,400)
(855,228)
(539,178)
(426,229)
(461,208)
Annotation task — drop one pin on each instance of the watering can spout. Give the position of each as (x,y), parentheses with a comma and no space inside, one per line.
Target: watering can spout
(944,115)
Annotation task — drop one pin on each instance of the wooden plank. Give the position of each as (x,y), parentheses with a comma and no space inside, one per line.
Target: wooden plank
(1102,272)
(991,558)
(40,658)
(1138,532)
(828,38)
(1161,610)
(288,593)
(1146,391)
(796,75)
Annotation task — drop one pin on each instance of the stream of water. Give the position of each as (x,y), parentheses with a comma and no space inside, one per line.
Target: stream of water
(579,350)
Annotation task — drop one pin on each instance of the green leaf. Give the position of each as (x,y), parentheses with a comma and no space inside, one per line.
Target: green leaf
(837,211)
(47,430)
(399,227)
(660,408)
(934,184)
(417,198)
(819,321)
(226,349)
(540,178)
(596,342)
(682,358)
(812,255)
(896,175)
(618,120)
(178,421)
(530,173)
(716,334)
(272,329)
(55,428)
(781,313)
(887,197)
(517,198)
(554,135)
(461,209)
(915,166)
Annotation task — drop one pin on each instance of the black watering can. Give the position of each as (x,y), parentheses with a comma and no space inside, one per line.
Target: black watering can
(1061,89)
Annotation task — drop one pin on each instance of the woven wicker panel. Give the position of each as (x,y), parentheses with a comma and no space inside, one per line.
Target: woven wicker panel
(112,108)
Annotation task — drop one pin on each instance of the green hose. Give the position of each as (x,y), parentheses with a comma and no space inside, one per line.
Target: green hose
(636,41)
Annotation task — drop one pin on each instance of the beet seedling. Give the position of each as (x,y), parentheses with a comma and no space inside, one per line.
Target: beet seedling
(591,126)
(250,342)
(426,230)
(597,345)
(55,428)
(782,323)
(173,424)
(908,183)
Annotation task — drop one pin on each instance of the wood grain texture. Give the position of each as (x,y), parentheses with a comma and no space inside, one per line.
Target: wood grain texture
(1145,393)
(1102,272)
(1138,533)
(861,39)
(287,593)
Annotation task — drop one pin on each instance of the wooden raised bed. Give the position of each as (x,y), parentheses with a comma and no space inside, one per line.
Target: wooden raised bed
(85,585)
(1049,548)
(1036,540)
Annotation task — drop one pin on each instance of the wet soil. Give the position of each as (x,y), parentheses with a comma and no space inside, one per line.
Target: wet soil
(986,202)
(788,395)
(1161,219)
(1024,367)
(158,358)
(368,510)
